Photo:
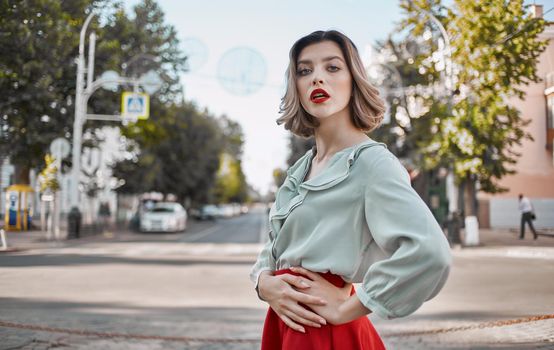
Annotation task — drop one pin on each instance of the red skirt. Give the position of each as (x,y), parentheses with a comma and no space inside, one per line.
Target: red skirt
(355,335)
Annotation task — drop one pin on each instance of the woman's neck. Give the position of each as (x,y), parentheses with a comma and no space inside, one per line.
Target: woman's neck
(335,134)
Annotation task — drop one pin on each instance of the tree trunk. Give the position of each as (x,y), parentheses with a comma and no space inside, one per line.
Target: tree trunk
(469,197)
(21,173)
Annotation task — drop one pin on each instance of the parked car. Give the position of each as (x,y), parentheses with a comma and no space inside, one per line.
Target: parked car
(208,212)
(164,217)
(227,210)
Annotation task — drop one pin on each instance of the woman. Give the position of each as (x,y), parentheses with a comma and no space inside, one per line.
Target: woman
(345,214)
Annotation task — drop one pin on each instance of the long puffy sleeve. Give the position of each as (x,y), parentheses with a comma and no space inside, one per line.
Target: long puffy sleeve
(265,262)
(417,255)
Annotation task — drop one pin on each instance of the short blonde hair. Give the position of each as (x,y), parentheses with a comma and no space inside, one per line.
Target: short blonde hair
(366,107)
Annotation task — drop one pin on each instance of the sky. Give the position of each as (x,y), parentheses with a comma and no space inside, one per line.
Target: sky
(221,34)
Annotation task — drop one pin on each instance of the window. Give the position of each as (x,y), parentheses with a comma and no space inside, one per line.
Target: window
(549,121)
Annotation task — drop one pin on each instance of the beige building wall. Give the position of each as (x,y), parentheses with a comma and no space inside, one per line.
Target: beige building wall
(535,166)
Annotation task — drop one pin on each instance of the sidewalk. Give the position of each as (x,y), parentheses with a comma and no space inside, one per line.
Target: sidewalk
(36,239)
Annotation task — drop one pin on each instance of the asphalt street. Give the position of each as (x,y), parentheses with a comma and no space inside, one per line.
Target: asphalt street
(191,291)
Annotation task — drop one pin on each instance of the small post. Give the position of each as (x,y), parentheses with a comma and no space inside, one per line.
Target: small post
(3,238)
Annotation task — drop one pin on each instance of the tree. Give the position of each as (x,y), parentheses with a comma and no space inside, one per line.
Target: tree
(176,151)
(49,175)
(134,45)
(231,183)
(495,49)
(37,77)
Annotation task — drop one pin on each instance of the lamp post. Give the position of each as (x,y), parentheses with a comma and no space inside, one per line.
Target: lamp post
(150,82)
(78,122)
(448,63)
(452,190)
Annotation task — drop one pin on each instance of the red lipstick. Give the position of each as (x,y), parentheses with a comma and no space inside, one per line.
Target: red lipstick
(319,96)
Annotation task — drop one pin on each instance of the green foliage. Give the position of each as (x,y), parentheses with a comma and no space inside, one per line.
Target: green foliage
(39,41)
(233,137)
(230,185)
(37,77)
(496,60)
(399,79)
(175,151)
(495,50)
(49,175)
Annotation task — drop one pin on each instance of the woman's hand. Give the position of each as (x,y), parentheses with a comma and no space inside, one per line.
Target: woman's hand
(335,296)
(285,300)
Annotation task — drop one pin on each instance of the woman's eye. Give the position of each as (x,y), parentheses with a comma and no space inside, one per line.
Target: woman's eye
(334,68)
(303,71)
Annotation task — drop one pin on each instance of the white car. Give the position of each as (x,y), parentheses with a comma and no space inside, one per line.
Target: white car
(164,217)
(227,210)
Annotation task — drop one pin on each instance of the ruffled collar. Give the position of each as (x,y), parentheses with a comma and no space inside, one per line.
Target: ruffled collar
(336,170)
(293,191)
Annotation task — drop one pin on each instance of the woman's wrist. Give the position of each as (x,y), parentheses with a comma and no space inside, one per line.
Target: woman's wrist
(350,310)
(261,279)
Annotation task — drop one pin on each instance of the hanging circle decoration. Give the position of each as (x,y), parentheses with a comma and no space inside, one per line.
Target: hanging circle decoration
(196,53)
(242,71)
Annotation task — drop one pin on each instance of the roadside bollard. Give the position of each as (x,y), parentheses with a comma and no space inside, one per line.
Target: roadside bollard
(3,238)
(73,223)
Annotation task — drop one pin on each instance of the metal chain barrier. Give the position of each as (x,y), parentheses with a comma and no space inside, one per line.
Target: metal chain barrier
(493,324)
(123,335)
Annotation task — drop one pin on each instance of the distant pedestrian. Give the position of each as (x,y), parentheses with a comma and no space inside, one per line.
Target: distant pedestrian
(527,215)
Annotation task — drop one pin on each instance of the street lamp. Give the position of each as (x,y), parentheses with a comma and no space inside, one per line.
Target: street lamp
(452,190)
(150,82)
(78,123)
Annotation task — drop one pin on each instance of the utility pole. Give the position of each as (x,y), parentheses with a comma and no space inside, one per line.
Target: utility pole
(78,121)
(150,82)
(452,190)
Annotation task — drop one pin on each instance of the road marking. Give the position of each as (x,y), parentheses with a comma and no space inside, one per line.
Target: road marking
(543,253)
(155,250)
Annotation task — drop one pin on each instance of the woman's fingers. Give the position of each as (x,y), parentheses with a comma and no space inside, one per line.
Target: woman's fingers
(296,281)
(307,299)
(311,275)
(305,322)
(291,323)
(305,316)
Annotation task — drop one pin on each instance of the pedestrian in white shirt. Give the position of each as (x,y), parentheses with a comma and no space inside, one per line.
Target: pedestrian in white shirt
(527,215)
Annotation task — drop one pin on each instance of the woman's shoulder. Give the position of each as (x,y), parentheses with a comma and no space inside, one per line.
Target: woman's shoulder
(369,154)
(379,162)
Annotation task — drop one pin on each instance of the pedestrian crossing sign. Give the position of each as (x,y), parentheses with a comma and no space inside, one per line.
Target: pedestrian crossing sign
(135,105)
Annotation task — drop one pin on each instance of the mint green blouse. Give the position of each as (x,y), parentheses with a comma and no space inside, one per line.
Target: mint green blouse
(359,218)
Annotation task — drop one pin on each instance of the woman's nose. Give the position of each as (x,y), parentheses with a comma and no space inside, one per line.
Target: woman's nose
(317,81)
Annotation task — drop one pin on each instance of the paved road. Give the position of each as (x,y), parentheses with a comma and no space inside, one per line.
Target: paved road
(242,229)
(175,289)
(245,228)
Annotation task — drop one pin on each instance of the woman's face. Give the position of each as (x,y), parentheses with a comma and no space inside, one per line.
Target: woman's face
(323,80)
